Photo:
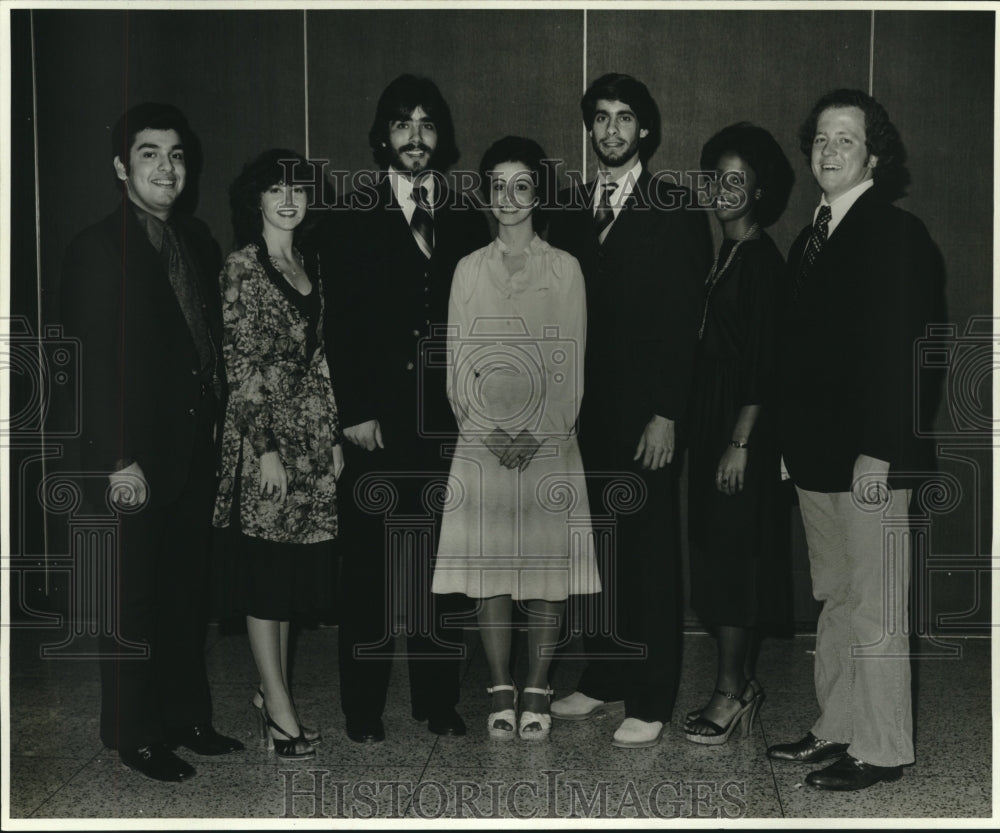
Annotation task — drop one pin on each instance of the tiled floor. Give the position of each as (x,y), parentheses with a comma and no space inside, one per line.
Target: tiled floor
(58,768)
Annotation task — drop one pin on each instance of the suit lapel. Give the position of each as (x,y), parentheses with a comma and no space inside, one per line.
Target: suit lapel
(145,275)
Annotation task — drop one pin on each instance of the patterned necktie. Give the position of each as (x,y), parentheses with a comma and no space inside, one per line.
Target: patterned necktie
(604,216)
(185,286)
(816,242)
(422,224)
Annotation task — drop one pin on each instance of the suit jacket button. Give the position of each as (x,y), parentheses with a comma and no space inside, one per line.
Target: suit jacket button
(191,411)
(416,333)
(409,365)
(194,371)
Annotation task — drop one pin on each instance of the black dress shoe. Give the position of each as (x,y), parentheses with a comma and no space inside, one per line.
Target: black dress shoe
(368,731)
(851,774)
(157,762)
(204,740)
(809,750)
(447,723)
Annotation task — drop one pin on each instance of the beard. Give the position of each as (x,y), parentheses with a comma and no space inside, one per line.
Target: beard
(616,158)
(401,163)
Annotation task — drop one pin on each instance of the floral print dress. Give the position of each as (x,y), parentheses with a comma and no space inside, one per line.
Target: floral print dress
(280,399)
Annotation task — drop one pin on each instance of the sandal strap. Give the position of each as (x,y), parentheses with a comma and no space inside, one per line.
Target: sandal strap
(548,692)
(491,689)
(704,721)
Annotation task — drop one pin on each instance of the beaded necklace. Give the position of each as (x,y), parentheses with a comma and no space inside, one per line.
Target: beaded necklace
(716,274)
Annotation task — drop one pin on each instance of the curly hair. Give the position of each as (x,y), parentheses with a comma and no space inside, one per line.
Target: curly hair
(759,149)
(881,137)
(616,86)
(271,167)
(397,102)
(530,154)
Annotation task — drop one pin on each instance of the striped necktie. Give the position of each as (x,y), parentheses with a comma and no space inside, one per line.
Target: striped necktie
(604,216)
(422,224)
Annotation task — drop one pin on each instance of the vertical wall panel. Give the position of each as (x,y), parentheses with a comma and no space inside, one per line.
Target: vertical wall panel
(501,72)
(238,77)
(934,72)
(709,69)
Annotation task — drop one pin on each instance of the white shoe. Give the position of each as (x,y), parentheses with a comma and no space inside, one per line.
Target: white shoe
(637,734)
(501,725)
(535,725)
(578,706)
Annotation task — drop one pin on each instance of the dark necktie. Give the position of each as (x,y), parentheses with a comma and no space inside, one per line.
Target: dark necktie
(814,245)
(422,224)
(185,287)
(604,216)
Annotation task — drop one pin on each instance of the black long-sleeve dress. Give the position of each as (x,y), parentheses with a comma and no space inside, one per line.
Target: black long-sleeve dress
(737,563)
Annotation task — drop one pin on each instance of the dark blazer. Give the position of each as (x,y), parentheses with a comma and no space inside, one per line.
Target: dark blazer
(847,353)
(644,304)
(141,385)
(384,299)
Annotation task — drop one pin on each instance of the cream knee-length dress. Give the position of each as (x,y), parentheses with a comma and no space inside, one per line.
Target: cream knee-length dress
(515,361)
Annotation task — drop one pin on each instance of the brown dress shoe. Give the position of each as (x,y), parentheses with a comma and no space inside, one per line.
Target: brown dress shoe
(809,750)
(851,774)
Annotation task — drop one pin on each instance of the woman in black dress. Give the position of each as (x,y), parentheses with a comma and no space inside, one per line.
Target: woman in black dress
(734,462)
(281,452)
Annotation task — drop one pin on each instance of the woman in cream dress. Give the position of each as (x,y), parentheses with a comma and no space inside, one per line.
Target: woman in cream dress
(516,521)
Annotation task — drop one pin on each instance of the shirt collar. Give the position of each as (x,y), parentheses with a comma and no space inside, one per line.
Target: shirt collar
(626,184)
(402,187)
(840,206)
(499,248)
(153,226)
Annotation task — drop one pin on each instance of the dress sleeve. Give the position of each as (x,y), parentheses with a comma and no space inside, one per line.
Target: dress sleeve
(563,353)
(251,398)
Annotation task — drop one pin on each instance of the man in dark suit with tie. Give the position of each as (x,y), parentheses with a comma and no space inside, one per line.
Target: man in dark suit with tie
(139,289)
(645,252)
(396,251)
(864,279)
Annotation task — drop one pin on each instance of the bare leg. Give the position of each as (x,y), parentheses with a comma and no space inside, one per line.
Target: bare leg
(265,644)
(734,647)
(494,631)
(544,629)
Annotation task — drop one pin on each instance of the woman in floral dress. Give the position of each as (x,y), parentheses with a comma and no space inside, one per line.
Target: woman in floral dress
(281,452)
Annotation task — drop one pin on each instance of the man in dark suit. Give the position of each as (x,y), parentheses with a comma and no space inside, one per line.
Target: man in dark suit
(139,291)
(863,281)
(644,253)
(396,251)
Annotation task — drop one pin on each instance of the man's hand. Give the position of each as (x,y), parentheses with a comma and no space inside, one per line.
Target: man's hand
(656,445)
(520,451)
(338,461)
(128,486)
(871,480)
(732,467)
(497,441)
(366,435)
(273,478)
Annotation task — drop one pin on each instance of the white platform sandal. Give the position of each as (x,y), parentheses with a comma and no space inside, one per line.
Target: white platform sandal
(535,726)
(506,718)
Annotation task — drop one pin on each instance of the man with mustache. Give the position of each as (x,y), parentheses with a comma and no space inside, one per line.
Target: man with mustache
(645,253)
(139,289)
(395,253)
